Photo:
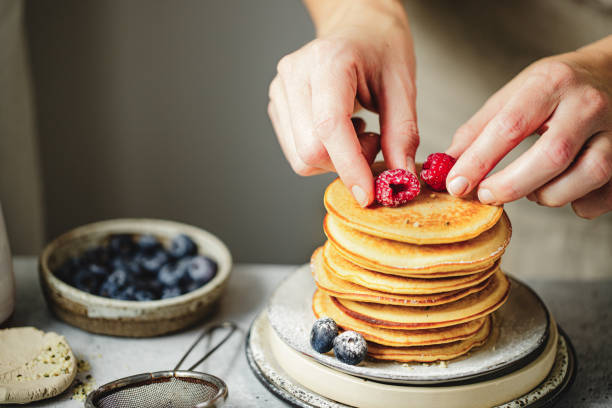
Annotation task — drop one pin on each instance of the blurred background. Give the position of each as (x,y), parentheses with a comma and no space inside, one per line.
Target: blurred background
(158,109)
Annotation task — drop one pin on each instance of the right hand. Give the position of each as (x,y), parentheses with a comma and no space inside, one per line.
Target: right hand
(363,53)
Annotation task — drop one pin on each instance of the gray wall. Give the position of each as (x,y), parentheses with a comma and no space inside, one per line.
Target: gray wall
(158,109)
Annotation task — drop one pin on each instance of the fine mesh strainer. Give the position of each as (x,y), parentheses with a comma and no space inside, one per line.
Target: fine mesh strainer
(167,389)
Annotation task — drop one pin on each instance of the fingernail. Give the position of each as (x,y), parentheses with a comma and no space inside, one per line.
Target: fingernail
(485,196)
(458,185)
(360,195)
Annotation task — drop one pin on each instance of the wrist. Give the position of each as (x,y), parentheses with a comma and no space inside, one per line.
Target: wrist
(330,16)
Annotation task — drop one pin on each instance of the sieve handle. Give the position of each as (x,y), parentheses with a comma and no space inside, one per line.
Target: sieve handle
(231,326)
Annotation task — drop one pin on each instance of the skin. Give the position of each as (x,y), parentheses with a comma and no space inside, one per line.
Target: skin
(363,54)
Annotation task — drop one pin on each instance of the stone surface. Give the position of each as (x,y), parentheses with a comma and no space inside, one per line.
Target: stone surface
(582,308)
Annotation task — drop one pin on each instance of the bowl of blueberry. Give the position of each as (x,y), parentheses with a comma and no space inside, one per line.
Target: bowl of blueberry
(134,277)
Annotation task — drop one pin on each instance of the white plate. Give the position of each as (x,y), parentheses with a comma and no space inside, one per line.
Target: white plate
(268,356)
(519,334)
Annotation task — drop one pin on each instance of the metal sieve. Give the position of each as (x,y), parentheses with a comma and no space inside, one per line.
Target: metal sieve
(168,389)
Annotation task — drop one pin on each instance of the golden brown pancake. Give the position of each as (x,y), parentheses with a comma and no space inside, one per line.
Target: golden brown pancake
(400,258)
(334,286)
(431,218)
(382,282)
(427,354)
(416,318)
(322,305)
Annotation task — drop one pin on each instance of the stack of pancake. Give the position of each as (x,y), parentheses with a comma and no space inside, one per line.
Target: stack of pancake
(420,281)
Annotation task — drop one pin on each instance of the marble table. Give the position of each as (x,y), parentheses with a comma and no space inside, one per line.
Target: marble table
(582,308)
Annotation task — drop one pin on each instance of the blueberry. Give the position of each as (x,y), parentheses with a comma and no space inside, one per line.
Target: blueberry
(126,293)
(143,295)
(191,286)
(350,348)
(109,289)
(96,255)
(122,244)
(322,334)
(201,269)
(86,281)
(171,274)
(170,292)
(182,246)
(119,277)
(98,271)
(149,243)
(153,262)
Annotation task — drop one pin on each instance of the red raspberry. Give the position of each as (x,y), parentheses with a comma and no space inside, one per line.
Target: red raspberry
(435,170)
(396,187)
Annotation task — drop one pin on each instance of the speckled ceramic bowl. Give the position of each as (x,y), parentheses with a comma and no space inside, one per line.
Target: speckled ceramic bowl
(130,318)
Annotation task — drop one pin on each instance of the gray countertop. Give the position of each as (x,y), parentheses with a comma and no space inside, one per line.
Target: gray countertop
(582,308)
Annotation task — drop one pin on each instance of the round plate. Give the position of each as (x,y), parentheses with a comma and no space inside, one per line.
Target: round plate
(520,331)
(263,363)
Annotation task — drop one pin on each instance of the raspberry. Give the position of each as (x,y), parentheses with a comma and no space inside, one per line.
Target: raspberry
(435,170)
(396,187)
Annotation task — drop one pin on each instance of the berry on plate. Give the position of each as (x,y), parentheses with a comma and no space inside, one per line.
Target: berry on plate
(396,187)
(350,348)
(322,334)
(435,170)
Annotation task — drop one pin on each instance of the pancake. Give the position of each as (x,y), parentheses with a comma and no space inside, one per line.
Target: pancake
(431,218)
(381,282)
(428,354)
(334,286)
(399,258)
(322,305)
(416,318)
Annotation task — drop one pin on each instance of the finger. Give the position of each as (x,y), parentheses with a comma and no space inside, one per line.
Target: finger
(467,133)
(595,203)
(359,124)
(548,157)
(279,115)
(398,120)
(333,94)
(370,145)
(591,170)
(299,103)
(526,110)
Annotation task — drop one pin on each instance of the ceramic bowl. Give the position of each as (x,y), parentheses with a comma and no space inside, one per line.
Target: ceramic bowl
(103,315)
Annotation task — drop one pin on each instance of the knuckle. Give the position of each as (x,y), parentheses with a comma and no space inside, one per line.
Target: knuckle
(286,65)
(270,109)
(273,88)
(559,153)
(596,101)
(301,169)
(465,132)
(598,167)
(311,154)
(511,127)
(556,73)
(325,126)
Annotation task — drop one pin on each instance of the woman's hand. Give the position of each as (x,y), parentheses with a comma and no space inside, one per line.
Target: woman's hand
(363,52)
(567,99)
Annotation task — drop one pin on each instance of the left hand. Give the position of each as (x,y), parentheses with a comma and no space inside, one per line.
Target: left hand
(567,99)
